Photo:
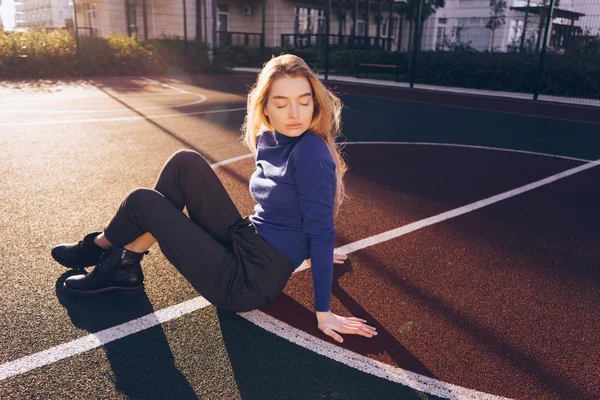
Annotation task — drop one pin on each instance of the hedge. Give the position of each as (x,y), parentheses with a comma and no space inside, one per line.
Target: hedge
(573,75)
(31,55)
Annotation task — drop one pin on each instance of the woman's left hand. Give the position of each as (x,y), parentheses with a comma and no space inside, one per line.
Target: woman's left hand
(339,258)
(332,325)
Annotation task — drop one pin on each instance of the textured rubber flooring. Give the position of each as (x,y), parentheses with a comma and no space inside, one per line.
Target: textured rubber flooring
(503,300)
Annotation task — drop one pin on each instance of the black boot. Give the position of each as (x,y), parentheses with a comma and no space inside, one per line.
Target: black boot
(83,254)
(118,270)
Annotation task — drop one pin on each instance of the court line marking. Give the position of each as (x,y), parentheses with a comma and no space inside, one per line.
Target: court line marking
(113,110)
(59,96)
(121,119)
(354,360)
(179,91)
(134,118)
(469,146)
(364,364)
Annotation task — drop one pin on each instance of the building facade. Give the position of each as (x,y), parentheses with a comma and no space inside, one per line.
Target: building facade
(301,23)
(143,18)
(41,13)
(520,25)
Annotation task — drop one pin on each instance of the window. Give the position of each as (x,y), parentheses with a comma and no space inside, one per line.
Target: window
(223,26)
(473,3)
(91,19)
(131,9)
(476,33)
(384,26)
(440,36)
(309,20)
(342,27)
(223,18)
(360,25)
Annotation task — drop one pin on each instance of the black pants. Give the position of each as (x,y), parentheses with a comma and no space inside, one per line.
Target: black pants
(215,249)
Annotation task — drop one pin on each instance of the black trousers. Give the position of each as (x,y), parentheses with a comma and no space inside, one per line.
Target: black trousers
(215,249)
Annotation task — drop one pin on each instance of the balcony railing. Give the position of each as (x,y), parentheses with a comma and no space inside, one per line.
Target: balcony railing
(296,40)
(238,39)
(87,31)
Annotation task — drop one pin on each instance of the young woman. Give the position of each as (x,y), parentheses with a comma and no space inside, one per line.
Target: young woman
(238,263)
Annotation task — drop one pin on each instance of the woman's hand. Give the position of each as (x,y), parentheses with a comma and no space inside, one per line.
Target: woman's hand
(332,324)
(339,258)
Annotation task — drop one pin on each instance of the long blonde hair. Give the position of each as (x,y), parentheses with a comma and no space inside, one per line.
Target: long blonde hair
(326,121)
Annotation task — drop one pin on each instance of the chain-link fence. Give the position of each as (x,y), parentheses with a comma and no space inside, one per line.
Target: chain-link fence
(541,49)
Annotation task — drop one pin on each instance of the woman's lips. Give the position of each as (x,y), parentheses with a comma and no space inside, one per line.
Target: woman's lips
(294,125)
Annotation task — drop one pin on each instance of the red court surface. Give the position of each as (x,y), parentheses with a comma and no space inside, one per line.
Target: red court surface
(503,300)
(499,298)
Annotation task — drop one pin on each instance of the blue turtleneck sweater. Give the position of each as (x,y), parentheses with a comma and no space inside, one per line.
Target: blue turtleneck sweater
(294,185)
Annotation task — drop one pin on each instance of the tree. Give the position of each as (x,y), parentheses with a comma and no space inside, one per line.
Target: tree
(497,17)
(411,13)
(455,41)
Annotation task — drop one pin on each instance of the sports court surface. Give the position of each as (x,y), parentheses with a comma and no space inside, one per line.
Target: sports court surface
(473,240)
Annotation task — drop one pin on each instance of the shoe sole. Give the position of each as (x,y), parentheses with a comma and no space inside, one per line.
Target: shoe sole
(86,293)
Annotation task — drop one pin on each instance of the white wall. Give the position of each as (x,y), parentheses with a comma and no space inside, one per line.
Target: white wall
(591,8)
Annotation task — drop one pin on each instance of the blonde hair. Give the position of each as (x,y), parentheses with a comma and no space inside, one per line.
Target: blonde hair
(326,121)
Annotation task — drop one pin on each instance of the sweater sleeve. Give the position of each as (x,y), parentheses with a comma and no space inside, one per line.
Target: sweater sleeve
(314,173)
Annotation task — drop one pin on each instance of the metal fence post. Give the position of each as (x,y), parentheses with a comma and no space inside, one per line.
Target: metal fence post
(198,21)
(263,32)
(540,72)
(77,44)
(327,27)
(390,26)
(416,45)
(521,48)
(185,37)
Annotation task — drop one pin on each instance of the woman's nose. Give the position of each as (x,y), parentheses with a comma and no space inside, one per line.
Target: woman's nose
(294,111)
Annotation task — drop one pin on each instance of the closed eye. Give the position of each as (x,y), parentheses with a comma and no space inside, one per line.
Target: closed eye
(302,104)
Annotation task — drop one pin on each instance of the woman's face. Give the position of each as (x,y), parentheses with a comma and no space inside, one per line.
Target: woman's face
(290,106)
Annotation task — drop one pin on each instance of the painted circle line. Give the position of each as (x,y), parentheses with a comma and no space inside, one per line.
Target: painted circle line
(114,110)
(121,119)
(181,91)
(64,96)
(279,328)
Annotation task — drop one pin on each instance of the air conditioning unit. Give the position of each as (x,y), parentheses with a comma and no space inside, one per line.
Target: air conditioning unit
(247,10)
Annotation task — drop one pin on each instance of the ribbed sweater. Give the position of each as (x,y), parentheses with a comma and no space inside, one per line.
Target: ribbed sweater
(294,186)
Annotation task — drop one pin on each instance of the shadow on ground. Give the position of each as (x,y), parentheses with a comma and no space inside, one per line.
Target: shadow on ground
(136,360)
(267,366)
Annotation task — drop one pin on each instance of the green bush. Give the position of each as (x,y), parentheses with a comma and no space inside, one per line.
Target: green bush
(241,56)
(30,55)
(573,75)
(27,55)
(36,54)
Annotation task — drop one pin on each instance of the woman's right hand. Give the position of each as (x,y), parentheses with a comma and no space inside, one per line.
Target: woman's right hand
(332,325)
(339,258)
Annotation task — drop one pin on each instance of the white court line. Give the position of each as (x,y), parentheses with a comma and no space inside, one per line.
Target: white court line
(58,96)
(112,110)
(121,119)
(365,364)
(100,338)
(469,146)
(354,360)
(405,229)
(231,160)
